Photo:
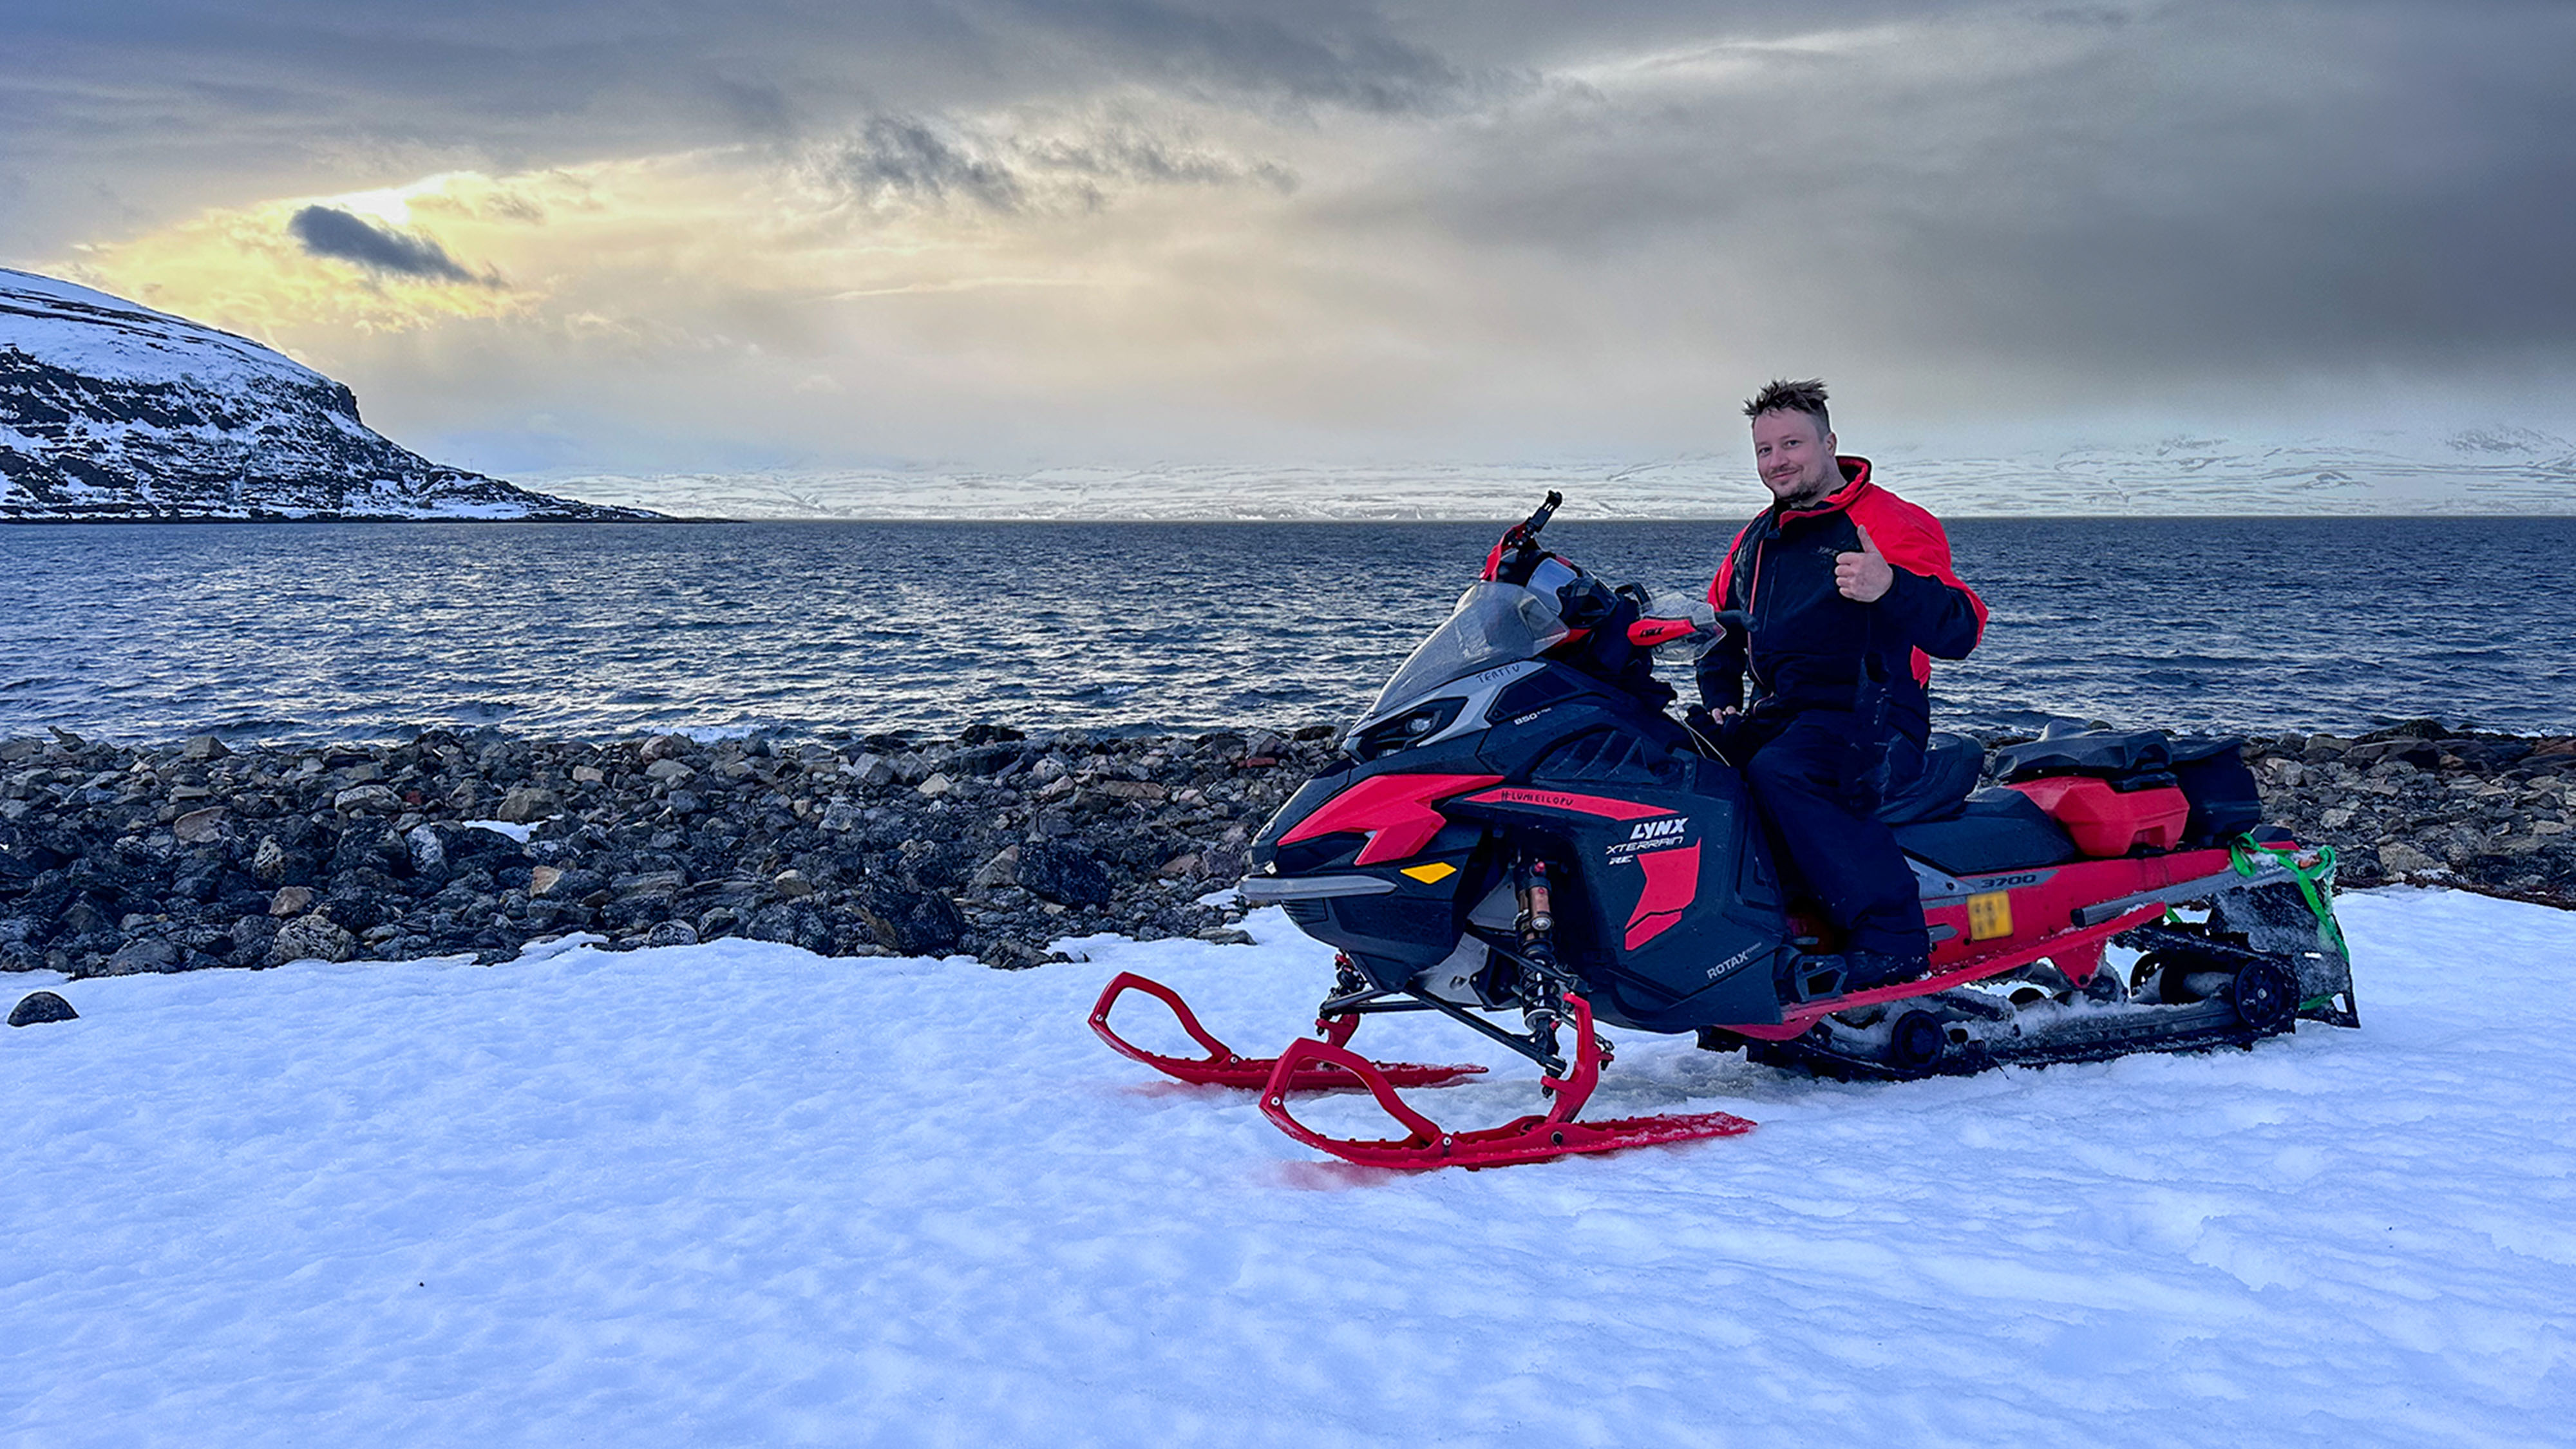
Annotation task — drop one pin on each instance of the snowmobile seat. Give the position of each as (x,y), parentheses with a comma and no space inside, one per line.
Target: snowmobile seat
(1940,789)
(1995,829)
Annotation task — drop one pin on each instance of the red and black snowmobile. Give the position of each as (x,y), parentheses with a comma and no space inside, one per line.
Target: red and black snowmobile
(1518,827)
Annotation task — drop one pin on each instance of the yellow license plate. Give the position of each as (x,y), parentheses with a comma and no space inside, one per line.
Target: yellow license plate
(1989,915)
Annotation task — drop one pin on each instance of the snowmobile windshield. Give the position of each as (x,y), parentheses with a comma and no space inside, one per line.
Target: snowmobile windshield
(1494,623)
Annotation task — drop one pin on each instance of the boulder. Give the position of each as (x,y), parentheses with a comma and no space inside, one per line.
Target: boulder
(1065,874)
(314,937)
(908,920)
(795,925)
(359,798)
(428,852)
(140,957)
(2401,859)
(38,1007)
(200,827)
(527,804)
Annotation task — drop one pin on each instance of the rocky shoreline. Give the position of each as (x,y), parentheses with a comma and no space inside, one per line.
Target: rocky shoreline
(122,859)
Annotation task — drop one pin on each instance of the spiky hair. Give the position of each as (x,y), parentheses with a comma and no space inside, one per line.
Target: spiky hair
(1793,397)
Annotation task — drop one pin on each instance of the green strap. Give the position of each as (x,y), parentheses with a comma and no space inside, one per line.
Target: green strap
(2241,855)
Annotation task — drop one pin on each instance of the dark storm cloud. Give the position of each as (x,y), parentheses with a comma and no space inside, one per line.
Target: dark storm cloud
(2136,192)
(162,107)
(2122,193)
(901,156)
(911,159)
(328,232)
(1317,51)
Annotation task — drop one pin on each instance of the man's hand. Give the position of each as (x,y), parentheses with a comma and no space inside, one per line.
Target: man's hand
(1866,576)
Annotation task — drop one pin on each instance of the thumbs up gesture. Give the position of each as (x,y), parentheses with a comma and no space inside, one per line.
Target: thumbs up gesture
(1866,576)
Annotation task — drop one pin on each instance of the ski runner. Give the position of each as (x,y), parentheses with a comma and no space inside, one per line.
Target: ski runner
(1840,594)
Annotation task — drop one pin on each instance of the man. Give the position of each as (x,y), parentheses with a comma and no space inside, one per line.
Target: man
(1845,593)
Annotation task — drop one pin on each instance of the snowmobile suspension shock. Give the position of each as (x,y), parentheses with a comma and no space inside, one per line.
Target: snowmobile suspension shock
(1543,982)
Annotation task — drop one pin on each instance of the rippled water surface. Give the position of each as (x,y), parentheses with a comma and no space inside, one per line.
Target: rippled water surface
(362,630)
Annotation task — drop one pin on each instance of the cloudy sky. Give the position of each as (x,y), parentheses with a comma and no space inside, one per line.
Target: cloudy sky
(1016,233)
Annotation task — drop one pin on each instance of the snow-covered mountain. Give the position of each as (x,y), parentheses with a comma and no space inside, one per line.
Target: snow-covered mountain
(2493,471)
(111,411)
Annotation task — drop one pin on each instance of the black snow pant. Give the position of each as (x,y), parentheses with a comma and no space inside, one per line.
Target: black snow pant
(1819,777)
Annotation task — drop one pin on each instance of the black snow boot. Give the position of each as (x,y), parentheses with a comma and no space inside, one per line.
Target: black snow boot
(1863,970)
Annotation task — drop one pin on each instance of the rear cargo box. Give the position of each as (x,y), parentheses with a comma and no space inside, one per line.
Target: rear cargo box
(2106,822)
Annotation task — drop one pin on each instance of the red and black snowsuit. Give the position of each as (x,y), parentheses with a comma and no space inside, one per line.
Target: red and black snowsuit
(1838,704)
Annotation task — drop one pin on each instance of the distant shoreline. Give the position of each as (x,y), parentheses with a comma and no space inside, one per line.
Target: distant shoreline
(1574,520)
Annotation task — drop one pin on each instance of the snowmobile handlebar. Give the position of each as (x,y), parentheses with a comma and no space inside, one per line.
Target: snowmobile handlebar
(1524,534)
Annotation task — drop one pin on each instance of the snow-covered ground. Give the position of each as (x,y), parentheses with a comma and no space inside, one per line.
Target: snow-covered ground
(736,1194)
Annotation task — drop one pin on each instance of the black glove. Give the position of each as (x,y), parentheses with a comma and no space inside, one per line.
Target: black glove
(1703,727)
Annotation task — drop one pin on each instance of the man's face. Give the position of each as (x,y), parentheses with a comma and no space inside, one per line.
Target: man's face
(1795,456)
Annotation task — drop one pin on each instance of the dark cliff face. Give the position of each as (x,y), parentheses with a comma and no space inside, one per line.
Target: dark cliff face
(113,412)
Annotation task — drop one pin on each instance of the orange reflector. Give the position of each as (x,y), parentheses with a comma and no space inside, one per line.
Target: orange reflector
(1432,874)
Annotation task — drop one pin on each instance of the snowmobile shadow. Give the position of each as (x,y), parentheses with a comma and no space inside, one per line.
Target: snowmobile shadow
(1333,1176)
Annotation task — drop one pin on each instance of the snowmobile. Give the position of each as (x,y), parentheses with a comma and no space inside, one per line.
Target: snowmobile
(1518,828)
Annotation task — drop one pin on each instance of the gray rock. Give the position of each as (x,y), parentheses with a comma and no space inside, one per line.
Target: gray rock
(251,936)
(1001,870)
(1065,874)
(38,1007)
(203,747)
(428,852)
(795,925)
(2401,859)
(314,937)
(1007,954)
(366,798)
(291,901)
(527,804)
(672,933)
(909,921)
(199,827)
(140,957)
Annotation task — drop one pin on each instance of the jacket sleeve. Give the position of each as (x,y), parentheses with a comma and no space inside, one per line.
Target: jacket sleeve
(1933,610)
(1721,666)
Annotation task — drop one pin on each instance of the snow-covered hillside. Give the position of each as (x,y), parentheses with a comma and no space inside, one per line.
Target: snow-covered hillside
(737,1194)
(112,411)
(2496,471)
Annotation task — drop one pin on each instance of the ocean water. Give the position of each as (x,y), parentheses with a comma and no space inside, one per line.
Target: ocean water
(359,631)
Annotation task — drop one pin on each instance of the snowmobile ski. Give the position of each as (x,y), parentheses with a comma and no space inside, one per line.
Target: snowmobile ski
(1224,1067)
(1426,1144)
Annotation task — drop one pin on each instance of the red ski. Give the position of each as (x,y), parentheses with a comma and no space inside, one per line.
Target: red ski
(1527,1139)
(1224,1067)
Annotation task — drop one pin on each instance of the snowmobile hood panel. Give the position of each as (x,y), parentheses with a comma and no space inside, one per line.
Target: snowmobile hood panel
(1394,811)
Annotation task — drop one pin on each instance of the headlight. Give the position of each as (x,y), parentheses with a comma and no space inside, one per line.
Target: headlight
(1409,728)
